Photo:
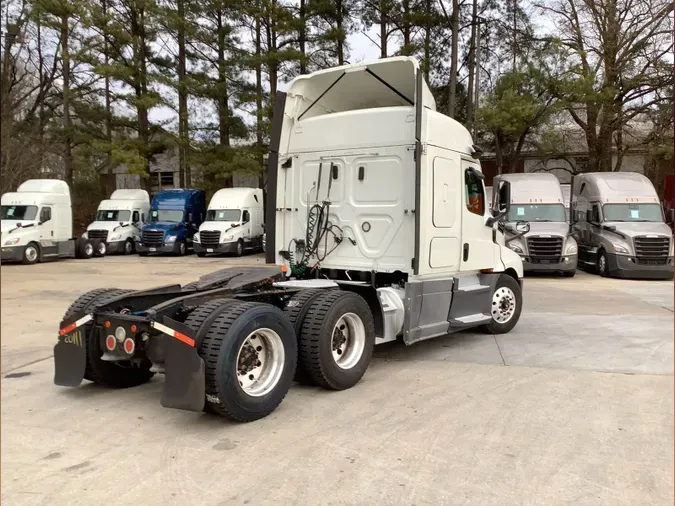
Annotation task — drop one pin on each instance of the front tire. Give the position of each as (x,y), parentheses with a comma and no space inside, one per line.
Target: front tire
(129,247)
(603,267)
(100,248)
(250,354)
(182,249)
(240,248)
(337,340)
(505,307)
(31,254)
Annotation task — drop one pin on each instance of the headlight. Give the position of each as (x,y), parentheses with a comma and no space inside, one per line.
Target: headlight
(620,249)
(516,248)
(114,238)
(571,249)
(170,238)
(11,242)
(672,248)
(85,236)
(196,237)
(227,238)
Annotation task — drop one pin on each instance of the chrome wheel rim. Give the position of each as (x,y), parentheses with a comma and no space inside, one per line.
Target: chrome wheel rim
(240,248)
(348,340)
(101,248)
(602,263)
(260,362)
(31,253)
(182,248)
(503,304)
(88,249)
(127,247)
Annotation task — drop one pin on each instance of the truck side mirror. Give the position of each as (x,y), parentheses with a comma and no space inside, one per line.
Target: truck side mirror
(670,216)
(503,203)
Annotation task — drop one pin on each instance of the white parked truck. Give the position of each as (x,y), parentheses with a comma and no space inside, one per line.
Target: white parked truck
(377,217)
(537,198)
(234,222)
(620,227)
(37,224)
(119,220)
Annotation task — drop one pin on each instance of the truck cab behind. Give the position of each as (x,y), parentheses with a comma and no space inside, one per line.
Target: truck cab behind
(537,198)
(175,216)
(120,219)
(234,222)
(620,227)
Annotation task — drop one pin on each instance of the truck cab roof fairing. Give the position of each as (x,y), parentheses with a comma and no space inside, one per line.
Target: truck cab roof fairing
(382,83)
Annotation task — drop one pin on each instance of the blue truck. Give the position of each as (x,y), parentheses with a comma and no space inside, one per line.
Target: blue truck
(175,216)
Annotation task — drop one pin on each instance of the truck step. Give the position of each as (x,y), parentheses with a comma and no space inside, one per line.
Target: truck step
(474,288)
(470,319)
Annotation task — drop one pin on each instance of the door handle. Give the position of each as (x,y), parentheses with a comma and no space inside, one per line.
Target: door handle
(466,252)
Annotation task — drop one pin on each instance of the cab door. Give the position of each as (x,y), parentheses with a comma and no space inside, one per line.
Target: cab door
(477,250)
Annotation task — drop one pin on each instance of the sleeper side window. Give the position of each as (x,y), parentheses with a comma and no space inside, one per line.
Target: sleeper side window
(474,193)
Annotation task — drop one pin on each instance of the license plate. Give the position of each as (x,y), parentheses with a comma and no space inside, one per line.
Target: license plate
(545,261)
(153,249)
(209,250)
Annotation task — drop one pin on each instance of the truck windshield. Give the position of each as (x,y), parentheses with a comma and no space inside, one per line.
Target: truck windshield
(171,215)
(632,212)
(19,212)
(103,215)
(537,212)
(223,215)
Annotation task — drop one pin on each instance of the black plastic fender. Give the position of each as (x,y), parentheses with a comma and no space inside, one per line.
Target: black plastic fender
(185,381)
(70,353)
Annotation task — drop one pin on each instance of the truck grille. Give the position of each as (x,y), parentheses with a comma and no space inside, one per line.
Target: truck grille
(545,250)
(98,234)
(209,237)
(153,238)
(651,250)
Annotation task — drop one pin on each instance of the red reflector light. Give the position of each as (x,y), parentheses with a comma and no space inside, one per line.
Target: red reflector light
(129,346)
(110,342)
(133,328)
(107,325)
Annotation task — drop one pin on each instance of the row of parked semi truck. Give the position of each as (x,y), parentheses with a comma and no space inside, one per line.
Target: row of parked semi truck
(37,223)
(612,223)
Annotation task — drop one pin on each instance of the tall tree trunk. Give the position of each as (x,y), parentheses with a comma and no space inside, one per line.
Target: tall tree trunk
(183,121)
(302,36)
(259,99)
(472,67)
(405,4)
(384,18)
(41,106)
(426,65)
(141,90)
(340,27)
(476,92)
(111,183)
(452,99)
(65,59)
(223,94)
(515,33)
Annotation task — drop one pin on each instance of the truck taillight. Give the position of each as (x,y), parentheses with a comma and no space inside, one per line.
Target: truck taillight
(129,346)
(110,343)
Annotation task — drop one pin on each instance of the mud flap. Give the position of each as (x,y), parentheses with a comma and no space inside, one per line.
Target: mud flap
(70,353)
(185,381)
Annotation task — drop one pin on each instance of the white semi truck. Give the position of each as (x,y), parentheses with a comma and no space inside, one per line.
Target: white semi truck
(234,222)
(619,224)
(377,229)
(120,219)
(537,198)
(37,224)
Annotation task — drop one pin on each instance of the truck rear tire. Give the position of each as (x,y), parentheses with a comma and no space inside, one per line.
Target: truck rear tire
(108,374)
(250,354)
(337,339)
(296,310)
(100,248)
(507,303)
(31,254)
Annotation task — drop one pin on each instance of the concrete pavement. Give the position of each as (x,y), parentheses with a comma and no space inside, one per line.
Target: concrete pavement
(575,406)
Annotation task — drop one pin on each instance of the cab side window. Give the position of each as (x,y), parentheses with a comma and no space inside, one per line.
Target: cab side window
(596,213)
(474,193)
(246,217)
(45,214)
